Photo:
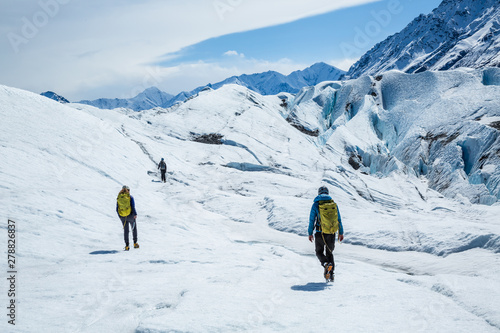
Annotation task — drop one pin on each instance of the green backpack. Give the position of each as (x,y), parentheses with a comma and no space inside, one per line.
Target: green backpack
(328,216)
(124,208)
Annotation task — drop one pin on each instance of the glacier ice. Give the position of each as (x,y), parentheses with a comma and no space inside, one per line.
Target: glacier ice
(437,125)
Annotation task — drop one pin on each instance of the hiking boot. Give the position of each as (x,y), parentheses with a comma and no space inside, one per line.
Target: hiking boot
(136,245)
(329,271)
(127,248)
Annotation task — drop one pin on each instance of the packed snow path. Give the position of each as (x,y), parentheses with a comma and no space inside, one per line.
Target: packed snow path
(225,250)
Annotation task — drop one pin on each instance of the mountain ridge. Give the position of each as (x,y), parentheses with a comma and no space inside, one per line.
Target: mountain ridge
(52,95)
(463,33)
(265,83)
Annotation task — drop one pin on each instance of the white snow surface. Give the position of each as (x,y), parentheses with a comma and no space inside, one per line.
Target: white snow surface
(223,242)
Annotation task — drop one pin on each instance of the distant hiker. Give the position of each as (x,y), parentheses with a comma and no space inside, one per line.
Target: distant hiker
(325,218)
(125,207)
(163,168)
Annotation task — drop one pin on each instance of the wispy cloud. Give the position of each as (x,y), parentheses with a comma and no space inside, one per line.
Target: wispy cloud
(343,64)
(232,53)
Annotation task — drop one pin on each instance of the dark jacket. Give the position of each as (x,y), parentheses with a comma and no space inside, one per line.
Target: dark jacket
(162,166)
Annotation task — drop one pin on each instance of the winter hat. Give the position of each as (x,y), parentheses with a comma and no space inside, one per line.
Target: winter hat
(322,190)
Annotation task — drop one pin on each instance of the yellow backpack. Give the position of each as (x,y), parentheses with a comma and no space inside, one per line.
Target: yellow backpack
(124,208)
(328,216)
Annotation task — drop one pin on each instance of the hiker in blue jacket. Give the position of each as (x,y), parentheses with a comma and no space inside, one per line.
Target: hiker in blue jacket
(324,242)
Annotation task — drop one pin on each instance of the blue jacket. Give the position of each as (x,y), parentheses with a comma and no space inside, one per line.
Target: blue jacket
(314,215)
(132,205)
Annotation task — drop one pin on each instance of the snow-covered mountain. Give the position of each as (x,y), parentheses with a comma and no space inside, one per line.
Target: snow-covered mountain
(459,33)
(148,99)
(55,97)
(268,83)
(273,83)
(223,242)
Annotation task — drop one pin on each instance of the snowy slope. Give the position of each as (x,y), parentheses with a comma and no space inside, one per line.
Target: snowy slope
(459,33)
(222,243)
(268,83)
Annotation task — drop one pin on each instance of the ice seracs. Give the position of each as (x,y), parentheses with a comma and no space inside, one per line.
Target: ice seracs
(428,124)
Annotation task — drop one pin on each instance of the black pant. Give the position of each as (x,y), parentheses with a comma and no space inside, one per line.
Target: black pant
(126,220)
(327,245)
(163,178)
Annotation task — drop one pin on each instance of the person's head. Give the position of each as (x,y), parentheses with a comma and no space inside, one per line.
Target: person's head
(323,190)
(125,188)
(162,158)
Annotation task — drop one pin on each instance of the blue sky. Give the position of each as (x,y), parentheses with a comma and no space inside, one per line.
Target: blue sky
(312,39)
(87,49)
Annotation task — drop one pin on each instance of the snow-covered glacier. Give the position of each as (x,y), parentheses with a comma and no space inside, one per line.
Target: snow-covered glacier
(223,244)
(443,126)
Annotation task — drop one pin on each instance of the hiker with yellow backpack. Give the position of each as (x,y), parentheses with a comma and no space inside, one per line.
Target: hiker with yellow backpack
(325,218)
(125,207)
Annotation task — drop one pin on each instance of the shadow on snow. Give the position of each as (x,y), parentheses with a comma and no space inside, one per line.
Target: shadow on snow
(103,252)
(311,286)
